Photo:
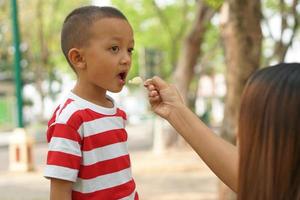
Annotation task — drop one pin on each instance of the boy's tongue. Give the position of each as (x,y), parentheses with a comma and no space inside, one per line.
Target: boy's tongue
(122,81)
(121,78)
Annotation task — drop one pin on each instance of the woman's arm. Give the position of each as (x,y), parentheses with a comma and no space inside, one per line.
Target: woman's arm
(219,155)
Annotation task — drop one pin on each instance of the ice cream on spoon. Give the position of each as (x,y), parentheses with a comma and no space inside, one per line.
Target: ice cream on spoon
(136,81)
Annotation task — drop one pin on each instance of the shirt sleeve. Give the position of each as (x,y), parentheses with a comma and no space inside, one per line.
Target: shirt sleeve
(64,153)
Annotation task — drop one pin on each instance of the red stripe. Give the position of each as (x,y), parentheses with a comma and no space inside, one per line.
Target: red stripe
(63,159)
(103,139)
(63,131)
(113,193)
(136,196)
(90,115)
(75,120)
(121,113)
(81,116)
(52,119)
(104,167)
(68,101)
(86,115)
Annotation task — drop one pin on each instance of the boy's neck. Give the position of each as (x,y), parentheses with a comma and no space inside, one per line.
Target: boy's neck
(98,97)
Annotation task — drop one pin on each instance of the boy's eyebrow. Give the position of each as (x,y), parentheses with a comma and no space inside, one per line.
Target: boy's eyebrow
(120,39)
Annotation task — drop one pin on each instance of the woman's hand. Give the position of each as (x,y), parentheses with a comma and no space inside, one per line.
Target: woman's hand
(163,97)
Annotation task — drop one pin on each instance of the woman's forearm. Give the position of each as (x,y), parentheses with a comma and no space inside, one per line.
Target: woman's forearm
(218,154)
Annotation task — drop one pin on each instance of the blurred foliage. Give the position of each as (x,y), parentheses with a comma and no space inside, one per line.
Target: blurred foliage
(159,26)
(39,24)
(5,41)
(52,13)
(155,28)
(215,3)
(213,55)
(6,114)
(32,26)
(280,27)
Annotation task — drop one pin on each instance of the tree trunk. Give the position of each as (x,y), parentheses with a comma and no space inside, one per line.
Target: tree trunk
(174,37)
(242,36)
(192,49)
(184,71)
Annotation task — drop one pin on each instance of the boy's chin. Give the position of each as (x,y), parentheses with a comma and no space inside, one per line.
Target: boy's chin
(116,90)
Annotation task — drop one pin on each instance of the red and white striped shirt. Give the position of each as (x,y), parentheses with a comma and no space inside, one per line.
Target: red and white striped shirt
(87,145)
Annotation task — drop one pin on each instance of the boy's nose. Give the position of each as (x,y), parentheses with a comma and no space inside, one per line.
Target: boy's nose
(126,59)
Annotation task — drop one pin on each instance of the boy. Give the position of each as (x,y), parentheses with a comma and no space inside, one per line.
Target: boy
(88,157)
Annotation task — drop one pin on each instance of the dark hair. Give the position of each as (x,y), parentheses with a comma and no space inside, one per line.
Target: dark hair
(269,135)
(75,30)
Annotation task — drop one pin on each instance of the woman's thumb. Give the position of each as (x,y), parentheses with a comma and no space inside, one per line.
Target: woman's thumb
(159,83)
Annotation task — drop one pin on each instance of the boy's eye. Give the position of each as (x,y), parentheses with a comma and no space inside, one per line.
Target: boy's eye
(115,49)
(130,50)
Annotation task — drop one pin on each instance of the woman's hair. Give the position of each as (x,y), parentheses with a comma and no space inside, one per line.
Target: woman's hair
(269,135)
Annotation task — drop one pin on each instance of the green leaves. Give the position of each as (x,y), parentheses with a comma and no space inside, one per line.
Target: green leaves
(216,4)
(158,26)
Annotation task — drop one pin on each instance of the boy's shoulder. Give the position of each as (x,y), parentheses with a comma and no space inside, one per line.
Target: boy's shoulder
(73,111)
(121,113)
(67,112)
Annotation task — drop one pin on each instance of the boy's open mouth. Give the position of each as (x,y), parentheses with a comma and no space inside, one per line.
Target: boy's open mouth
(122,76)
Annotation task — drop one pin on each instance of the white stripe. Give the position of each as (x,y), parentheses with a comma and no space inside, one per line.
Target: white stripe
(104,153)
(130,197)
(103,182)
(54,171)
(64,145)
(66,113)
(99,109)
(101,125)
(58,111)
(64,116)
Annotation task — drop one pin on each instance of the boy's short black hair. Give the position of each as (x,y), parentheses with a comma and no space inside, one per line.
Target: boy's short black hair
(75,30)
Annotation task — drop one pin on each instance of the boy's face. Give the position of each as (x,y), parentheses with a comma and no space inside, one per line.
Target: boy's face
(108,55)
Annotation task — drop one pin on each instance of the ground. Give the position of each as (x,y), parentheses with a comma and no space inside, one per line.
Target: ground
(169,175)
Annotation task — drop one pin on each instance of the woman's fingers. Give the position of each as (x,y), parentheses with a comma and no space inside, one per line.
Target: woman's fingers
(159,83)
(153,93)
(154,100)
(156,82)
(148,82)
(152,90)
(151,87)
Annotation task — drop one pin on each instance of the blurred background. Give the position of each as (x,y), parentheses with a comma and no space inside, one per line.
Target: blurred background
(206,48)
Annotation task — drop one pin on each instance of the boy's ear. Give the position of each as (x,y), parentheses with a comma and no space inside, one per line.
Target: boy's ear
(76,58)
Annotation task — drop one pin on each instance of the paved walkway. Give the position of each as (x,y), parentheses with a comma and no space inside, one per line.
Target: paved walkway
(172,175)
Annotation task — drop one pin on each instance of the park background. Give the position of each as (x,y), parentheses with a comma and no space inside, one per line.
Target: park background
(206,48)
